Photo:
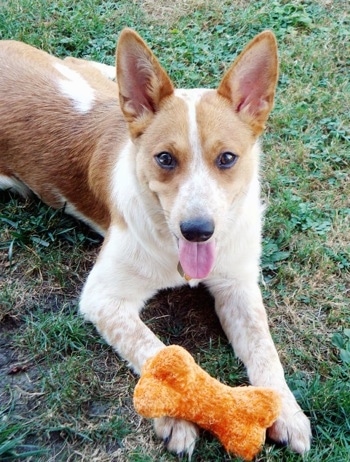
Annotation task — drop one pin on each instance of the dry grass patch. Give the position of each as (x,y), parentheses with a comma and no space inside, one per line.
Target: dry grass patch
(171,12)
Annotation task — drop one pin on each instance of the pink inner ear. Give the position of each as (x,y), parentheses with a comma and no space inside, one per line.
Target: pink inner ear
(137,82)
(254,86)
(253,103)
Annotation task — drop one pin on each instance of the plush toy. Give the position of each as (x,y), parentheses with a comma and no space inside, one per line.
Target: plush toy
(173,385)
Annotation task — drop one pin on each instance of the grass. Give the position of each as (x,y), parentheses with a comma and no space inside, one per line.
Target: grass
(64,395)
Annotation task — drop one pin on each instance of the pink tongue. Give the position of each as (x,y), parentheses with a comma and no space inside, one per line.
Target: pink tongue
(197,259)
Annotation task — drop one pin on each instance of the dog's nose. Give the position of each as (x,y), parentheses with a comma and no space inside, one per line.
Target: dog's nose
(197,230)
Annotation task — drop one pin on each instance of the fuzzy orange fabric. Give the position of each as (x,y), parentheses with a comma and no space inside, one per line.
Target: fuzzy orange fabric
(173,385)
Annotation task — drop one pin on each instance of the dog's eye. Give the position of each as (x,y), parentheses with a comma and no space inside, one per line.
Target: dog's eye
(226,160)
(165,160)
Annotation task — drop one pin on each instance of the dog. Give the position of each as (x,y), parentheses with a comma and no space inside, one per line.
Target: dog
(169,177)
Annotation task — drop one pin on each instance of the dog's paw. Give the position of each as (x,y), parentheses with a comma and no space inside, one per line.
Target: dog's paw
(179,436)
(293,429)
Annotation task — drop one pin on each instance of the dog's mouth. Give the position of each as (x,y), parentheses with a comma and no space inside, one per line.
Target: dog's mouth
(196,258)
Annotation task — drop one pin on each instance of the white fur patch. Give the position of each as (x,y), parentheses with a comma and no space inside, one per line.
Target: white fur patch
(12,183)
(76,88)
(124,184)
(191,98)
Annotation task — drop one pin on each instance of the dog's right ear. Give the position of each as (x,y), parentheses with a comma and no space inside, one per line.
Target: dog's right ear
(142,81)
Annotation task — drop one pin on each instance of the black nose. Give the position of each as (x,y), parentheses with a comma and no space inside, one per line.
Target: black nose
(197,230)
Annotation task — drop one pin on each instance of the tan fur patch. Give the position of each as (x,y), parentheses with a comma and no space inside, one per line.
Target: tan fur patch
(168,132)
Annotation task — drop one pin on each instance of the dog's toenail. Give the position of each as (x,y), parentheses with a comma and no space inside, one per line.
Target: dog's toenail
(168,438)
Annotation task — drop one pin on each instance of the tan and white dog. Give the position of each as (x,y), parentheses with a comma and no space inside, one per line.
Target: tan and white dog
(170,177)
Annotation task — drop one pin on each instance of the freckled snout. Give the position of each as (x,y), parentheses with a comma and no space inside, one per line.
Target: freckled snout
(197,229)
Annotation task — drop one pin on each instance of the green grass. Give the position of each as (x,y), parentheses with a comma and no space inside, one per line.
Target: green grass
(64,395)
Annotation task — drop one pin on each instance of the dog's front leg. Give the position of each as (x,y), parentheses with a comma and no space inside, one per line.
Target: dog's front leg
(112,299)
(241,312)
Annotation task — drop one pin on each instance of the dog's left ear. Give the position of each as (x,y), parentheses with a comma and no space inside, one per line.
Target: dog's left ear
(250,82)
(142,81)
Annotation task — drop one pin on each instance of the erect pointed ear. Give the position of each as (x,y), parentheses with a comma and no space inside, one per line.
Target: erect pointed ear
(251,80)
(142,81)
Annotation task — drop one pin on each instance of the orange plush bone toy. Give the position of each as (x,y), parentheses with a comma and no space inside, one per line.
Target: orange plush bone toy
(173,385)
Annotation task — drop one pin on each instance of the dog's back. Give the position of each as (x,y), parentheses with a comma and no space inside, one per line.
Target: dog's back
(67,113)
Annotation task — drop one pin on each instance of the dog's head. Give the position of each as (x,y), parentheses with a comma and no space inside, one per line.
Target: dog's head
(196,149)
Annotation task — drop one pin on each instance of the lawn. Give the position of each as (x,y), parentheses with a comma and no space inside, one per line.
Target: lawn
(64,394)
